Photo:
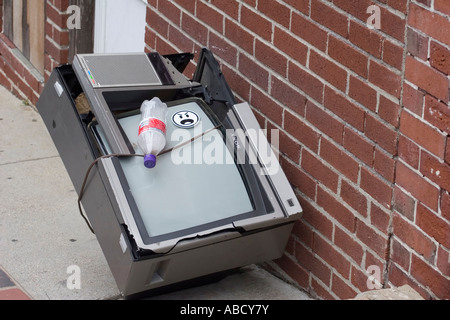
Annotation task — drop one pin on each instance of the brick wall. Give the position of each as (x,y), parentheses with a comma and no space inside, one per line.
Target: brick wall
(421,241)
(363,116)
(364,125)
(56,35)
(17,74)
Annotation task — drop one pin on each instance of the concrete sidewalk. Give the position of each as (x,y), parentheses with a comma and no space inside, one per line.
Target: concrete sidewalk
(42,234)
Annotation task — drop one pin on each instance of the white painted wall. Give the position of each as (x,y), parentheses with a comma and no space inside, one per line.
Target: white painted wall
(119,26)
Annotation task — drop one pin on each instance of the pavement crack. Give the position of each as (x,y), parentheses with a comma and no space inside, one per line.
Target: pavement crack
(28,160)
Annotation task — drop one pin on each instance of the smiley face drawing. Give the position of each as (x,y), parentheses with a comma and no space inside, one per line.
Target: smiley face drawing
(186,119)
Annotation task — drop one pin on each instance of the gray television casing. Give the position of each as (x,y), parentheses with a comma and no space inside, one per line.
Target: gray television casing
(244,242)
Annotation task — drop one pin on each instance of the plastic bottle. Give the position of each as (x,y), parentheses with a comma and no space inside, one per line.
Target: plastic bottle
(152,130)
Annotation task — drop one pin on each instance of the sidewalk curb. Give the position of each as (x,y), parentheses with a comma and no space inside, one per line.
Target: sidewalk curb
(9,289)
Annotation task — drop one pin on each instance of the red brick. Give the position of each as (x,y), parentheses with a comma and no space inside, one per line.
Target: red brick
(389,111)
(309,31)
(423,134)
(231,8)
(377,188)
(433,225)
(381,134)
(392,24)
(239,36)
(427,78)
(435,170)
(223,49)
(378,243)
(189,5)
(413,99)
(417,44)
(237,83)
(319,171)
(358,9)
(271,58)
(328,70)
(442,6)
(400,255)
(275,11)
(7,41)
(285,42)
(303,232)
(194,28)
(289,147)
(267,106)
(363,93)
(163,46)
(393,54)
(342,289)
(417,186)
(13,294)
(317,220)
(385,79)
(353,197)
(408,151)
(430,278)
(348,56)
(58,54)
(294,270)
(384,164)
(359,278)
(150,39)
(157,22)
(329,17)
(311,263)
(365,38)
(256,23)
(400,5)
(345,109)
(306,82)
(339,160)
(404,204)
(182,41)
(433,24)
(210,16)
(58,18)
(442,261)
(324,122)
(253,71)
(321,291)
(408,233)
(331,256)
(440,57)
(359,146)
(447,153)
(299,179)
(379,218)
(170,11)
(299,130)
(336,209)
(399,278)
(302,6)
(288,96)
(347,243)
(445,205)
(437,113)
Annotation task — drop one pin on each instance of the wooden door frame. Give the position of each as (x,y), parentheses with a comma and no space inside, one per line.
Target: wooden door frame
(82,40)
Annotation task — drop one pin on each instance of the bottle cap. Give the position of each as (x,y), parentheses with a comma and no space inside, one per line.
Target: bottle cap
(150,161)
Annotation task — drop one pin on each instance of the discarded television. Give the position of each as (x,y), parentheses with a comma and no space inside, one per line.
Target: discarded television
(217,200)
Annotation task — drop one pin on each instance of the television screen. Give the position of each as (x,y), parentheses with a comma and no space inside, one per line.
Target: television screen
(199,185)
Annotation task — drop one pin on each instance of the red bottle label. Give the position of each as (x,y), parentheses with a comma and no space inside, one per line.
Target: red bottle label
(152,124)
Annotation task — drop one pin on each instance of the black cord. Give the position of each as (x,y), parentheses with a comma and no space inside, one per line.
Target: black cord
(83,186)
